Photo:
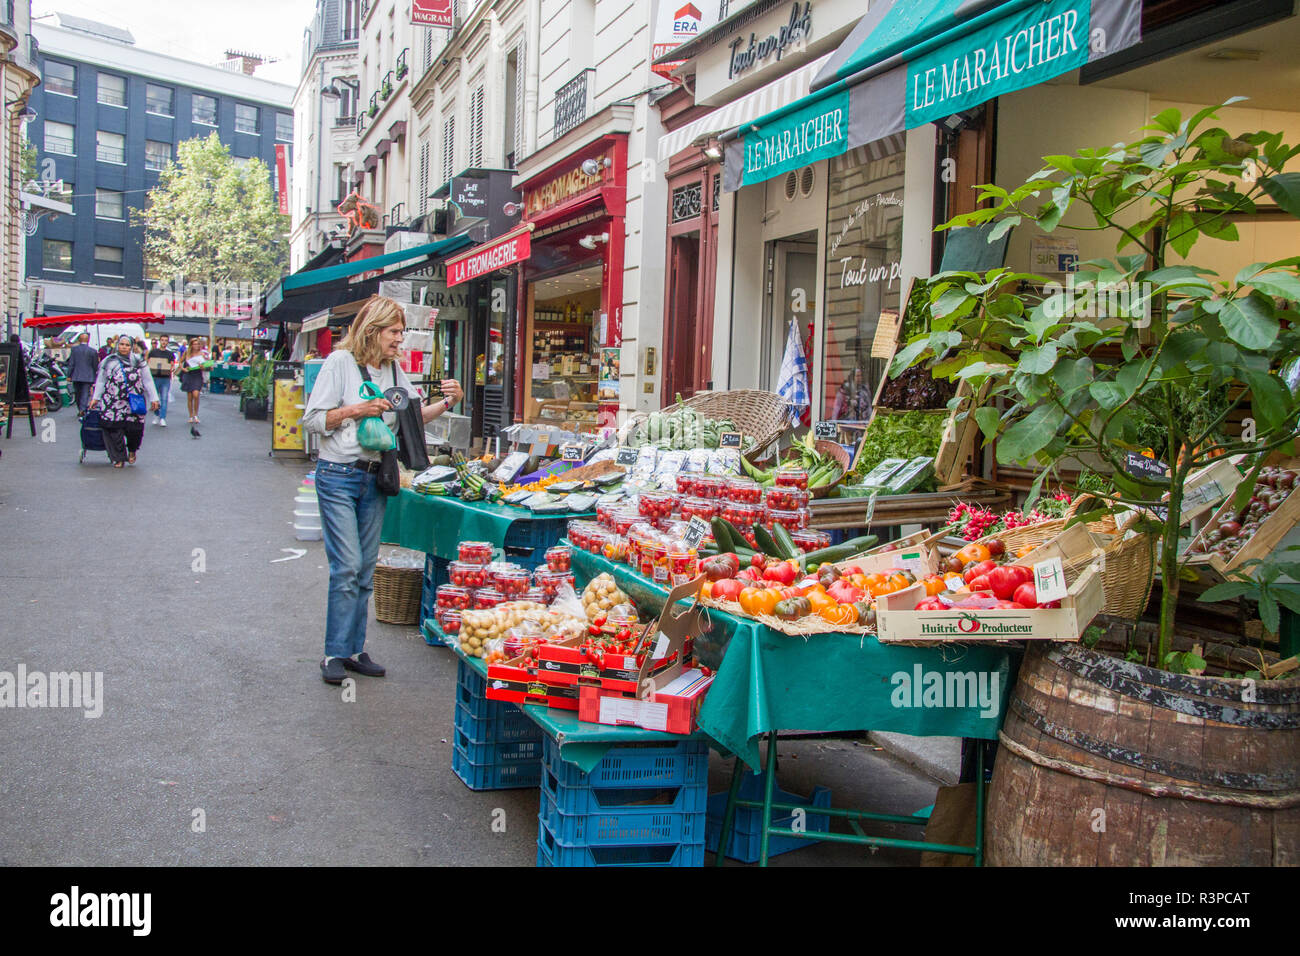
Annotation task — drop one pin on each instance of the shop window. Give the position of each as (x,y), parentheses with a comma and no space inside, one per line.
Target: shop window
(864,238)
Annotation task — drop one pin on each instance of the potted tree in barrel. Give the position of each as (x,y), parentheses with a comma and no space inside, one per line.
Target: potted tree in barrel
(1151,755)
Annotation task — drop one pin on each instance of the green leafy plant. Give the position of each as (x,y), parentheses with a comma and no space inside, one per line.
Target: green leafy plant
(1078,374)
(257,386)
(1260,580)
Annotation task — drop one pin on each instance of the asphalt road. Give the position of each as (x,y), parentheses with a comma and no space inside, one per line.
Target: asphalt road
(163,577)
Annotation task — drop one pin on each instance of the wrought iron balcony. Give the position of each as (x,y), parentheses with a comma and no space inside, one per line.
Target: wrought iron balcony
(374,104)
(386,87)
(571,102)
(402,68)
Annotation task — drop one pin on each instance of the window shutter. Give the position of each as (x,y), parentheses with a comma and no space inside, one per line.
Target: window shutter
(428,48)
(521,149)
(424,177)
(448,147)
(476,127)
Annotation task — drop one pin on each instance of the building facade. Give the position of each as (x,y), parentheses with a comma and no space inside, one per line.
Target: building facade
(325,109)
(109,118)
(19,76)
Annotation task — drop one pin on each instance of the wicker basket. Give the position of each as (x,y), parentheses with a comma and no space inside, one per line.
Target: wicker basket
(759,414)
(1127,572)
(830,449)
(397,594)
(1032,535)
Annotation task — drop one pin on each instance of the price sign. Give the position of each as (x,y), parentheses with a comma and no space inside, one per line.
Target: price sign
(871,509)
(826,430)
(570,452)
(1140,466)
(696,529)
(1049,581)
(626,456)
(729,440)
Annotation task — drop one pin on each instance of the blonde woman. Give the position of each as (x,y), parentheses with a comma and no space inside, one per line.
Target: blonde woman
(351,507)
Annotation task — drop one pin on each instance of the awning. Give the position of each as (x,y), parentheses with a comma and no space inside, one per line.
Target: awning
(95,318)
(911,62)
(309,291)
(788,89)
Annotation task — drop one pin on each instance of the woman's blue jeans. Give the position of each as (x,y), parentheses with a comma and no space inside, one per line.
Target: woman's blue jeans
(352,516)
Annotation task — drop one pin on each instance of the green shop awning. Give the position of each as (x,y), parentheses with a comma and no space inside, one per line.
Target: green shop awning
(911,62)
(402,260)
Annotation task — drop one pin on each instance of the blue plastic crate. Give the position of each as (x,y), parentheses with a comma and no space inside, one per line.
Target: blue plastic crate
(664,798)
(514,775)
(746,836)
(550,852)
(620,828)
(508,724)
(471,693)
(499,752)
(672,765)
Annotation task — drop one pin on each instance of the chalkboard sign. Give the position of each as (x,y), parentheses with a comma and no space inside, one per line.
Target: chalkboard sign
(696,529)
(729,440)
(13,374)
(570,452)
(967,249)
(626,456)
(1140,466)
(285,370)
(827,430)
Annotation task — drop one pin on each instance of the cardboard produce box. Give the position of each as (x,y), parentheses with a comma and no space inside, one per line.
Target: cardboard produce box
(669,698)
(517,682)
(563,663)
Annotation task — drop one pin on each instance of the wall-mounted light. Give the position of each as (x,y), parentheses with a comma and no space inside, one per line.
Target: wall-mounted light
(589,242)
(592,167)
(713,152)
(512,209)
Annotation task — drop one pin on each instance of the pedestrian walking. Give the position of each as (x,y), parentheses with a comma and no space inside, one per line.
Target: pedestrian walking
(191,362)
(351,506)
(125,389)
(83,369)
(162,367)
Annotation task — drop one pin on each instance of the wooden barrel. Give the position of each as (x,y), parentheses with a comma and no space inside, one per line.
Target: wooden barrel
(1104,762)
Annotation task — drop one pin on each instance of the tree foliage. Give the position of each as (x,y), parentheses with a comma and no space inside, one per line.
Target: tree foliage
(213,221)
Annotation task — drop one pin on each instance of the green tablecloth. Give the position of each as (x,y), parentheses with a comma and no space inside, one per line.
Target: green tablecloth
(233,372)
(770,681)
(581,744)
(437,524)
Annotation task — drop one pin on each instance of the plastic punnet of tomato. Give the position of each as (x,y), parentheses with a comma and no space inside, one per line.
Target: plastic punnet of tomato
(474,552)
(615,549)
(512,582)
(743,515)
(624,518)
(701,507)
(467,575)
(807,539)
(795,520)
(449,620)
(558,558)
(485,598)
(536,595)
(449,595)
(709,486)
(683,565)
(792,476)
(655,504)
(787,498)
(745,491)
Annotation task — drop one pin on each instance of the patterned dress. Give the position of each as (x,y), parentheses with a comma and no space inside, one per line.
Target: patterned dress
(118,375)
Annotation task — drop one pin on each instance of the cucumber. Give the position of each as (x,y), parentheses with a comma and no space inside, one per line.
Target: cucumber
(722,534)
(737,538)
(765,542)
(784,542)
(840,552)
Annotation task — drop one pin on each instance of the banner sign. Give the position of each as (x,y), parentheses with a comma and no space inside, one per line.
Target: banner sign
(432,13)
(282,177)
(514,246)
(678,23)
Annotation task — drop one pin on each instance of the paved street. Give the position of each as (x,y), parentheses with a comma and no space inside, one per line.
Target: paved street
(212,696)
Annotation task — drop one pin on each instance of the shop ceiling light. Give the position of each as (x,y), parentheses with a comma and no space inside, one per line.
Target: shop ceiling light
(1235,53)
(593,166)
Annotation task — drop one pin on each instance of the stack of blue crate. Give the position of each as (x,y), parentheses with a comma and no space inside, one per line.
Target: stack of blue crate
(640,806)
(495,745)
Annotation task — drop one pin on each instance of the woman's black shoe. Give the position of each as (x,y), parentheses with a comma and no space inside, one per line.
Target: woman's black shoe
(363,665)
(332,671)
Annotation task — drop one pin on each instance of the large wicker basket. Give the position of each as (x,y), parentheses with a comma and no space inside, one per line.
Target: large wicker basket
(758,414)
(1032,535)
(397,594)
(1127,572)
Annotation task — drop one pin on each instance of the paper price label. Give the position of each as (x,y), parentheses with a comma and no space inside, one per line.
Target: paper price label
(954,583)
(871,509)
(696,529)
(1049,581)
(661,646)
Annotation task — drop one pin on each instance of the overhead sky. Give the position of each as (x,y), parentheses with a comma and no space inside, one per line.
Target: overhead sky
(203,31)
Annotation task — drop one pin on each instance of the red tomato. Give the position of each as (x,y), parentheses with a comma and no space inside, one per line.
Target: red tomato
(727,589)
(757,561)
(1025,596)
(980,583)
(851,570)
(782,572)
(1009,606)
(931,604)
(976,570)
(1024,575)
(1004,582)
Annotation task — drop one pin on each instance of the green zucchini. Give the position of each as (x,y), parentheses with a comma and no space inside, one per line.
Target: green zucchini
(738,539)
(722,534)
(840,552)
(765,542)
(784,542)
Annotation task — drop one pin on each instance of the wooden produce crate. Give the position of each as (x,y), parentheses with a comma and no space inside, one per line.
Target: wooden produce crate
(1207,488)
(1276,531)
(898,623)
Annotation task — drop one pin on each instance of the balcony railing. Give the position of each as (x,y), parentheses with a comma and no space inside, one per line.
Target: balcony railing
(396,216)
(386,87)
(402,68)
(571,103)
(361,123)
(374,104)
(341,121)
(59,144)
(110,154)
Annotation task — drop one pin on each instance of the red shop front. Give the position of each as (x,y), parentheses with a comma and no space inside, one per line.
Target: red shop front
(571,289)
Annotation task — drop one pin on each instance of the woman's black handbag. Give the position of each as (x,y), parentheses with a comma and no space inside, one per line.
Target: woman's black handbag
(411,447)
(389,479)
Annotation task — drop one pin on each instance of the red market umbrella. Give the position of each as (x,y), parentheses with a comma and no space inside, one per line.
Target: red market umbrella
(94,318)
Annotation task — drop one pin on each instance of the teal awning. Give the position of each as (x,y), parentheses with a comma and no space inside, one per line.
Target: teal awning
(402,259)
(912,62)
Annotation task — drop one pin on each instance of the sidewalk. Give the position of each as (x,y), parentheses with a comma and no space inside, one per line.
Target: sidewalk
(166,578)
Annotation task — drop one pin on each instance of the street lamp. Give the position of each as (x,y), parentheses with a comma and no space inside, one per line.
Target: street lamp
(332,92)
